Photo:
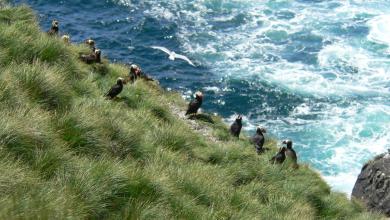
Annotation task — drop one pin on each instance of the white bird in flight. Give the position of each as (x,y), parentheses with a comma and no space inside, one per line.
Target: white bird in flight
(173,55)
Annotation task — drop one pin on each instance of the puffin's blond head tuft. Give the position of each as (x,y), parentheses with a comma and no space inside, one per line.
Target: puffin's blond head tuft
(90,42)
(66,38)
(199,94)
(133,67)
(120,80)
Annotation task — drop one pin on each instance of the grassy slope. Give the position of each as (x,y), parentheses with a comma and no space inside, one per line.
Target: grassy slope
(65,152)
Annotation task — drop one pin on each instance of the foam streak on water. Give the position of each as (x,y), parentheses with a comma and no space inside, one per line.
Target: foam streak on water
(317,72)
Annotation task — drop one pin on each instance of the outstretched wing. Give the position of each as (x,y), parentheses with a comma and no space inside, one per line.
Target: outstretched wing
(179,56)
(162,49)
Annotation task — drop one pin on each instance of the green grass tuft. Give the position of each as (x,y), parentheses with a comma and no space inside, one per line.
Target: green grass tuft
(68,153)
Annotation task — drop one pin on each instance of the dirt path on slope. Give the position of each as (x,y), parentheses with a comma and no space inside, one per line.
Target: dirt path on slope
(197,126)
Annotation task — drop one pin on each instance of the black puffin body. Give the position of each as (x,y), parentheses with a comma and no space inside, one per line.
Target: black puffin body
(235,128)
(279,157)
(133,75)
(195,104)
(115,89)
(94,57)
(54,28)
(291,155)
(258,140)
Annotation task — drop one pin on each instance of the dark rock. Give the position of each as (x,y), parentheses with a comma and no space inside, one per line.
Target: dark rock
(373,184)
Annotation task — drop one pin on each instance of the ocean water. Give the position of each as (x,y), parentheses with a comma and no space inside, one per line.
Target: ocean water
(314,71)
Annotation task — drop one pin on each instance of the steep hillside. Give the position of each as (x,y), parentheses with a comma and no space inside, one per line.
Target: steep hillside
(66,152)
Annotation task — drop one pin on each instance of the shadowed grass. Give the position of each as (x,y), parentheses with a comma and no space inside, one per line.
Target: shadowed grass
(43,84)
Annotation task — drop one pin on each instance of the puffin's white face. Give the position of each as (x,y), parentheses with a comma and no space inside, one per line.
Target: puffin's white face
(90,42)
(66,38)
(55,23)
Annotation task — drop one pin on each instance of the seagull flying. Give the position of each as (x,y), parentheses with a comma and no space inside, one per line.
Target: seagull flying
(173,55)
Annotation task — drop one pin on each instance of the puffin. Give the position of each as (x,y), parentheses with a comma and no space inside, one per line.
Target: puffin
(258,140)
(115,89)
(54,28)
(235,128)
(66,39)
(195,104)
(91,44)
(94,57)
(279,157)
(291,155)
(137,73)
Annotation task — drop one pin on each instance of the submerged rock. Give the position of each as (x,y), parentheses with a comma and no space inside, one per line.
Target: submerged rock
(373,184)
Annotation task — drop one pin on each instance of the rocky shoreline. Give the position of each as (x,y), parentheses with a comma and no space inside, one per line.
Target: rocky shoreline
(373,184)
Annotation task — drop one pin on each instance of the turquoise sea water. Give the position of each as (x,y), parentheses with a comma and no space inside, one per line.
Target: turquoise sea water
(317,72)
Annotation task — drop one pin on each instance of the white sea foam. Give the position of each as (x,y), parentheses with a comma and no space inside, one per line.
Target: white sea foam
(302,109)
(337,54)
(212,89)
(380,29)
(343,182)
